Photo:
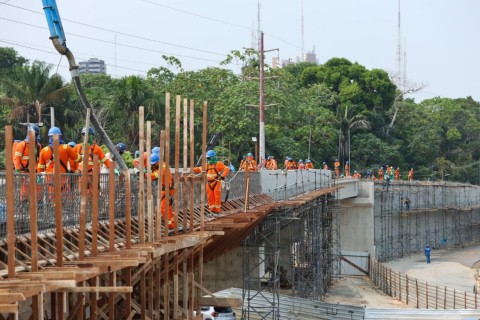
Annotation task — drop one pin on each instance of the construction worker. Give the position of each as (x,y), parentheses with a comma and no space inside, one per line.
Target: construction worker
(291,164)
(216,173)
(336,165)
(380,174)
(356,175)
(66,153)
(21,159)
(301,165)
(410,175)
(94,149)
(308,164)
(155,163)
(69,160)
(249,163)
(428,250)
(397,174)
(325,166)
(347,169)
(271,163)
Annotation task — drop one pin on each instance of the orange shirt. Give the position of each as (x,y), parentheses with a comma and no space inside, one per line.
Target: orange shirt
(66,153)
(21,157)
(309,165)
(94,149)
(251,164)
(156,175)
(136,161)
(214,171)
(337,164)
(271,164)
(291,165)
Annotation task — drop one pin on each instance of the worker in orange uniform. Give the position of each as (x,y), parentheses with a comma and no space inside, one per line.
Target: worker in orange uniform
(290,164)
(271,163)
(380,174)
(308,164)
(410,174)
(336,165)
(397,174)
(249,163)
(216,173)
(155,163)
(356,175)
(94,149)
(325,166)
(347,169)
(21,158)
(301,165)
(69,160)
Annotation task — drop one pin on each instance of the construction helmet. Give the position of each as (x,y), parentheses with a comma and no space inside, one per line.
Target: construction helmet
(90,130)
(249,154)
(35,128)
(72,144)
(308,161)
(137,153)
(211,154)
(156,150)
(300,160)
(54,130)
(154,159)
(121,147)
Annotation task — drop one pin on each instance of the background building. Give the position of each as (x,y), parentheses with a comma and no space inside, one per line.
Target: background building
(93,65)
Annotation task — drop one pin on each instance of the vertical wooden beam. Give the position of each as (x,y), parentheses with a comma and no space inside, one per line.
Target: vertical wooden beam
(58,201)
(177,162)
(149,183)
(166,287)
(111,208)
(128,283)
(95,208)
(128,213)
(204,165)
(93,300)
(83,191)
(185,166)
(158,288)
(175,285)
(32,163)
(185,286)
(10,200)
(192,162)
(160,187)
(192,284)
(167,159)
(150,289)
(141,189)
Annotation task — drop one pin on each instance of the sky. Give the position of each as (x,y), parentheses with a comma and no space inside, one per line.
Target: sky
(439,37)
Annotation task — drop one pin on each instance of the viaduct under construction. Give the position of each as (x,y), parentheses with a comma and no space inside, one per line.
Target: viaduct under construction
(75,248)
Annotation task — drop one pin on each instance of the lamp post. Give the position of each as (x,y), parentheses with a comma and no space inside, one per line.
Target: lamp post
(254,139)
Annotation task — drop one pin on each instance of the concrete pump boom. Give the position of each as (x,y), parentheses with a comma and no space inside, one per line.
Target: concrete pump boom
(57,36)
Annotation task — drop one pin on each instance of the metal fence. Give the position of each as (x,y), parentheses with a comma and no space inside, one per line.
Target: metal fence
(419,294)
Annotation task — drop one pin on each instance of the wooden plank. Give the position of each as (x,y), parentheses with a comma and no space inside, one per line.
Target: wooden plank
(9,308)
(58,201)
(111,208)
(177,166)
(107,289)
(167,160)
(83,191)
(128,214)
(220,301)
(149,184)
(141,189)
(11,297)
(192,163)
(95,204)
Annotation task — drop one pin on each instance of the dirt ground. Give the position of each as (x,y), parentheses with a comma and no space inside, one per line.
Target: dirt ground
(454,268)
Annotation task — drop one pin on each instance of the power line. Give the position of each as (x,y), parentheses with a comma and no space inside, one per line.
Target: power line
(119,32)
(112,42)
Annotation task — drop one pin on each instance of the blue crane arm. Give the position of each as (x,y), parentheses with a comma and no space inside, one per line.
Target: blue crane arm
(53,21)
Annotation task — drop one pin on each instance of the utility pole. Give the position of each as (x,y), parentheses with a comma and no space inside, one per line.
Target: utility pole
(262,102)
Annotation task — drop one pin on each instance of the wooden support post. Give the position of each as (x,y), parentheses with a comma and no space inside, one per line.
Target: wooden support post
(175,285)
(141,189)
(416,291)
(111,208)
(149,183)
(406,283)
(161,178)
(128,213)
(192,162)
(167,160)
(111,296)
(128,295)
(143,292)
(390,280)
(93,300)
(200,277)
(445,298)
(58,201)
(185,166)
(426,294)
(185,286)
(158,288)
(436,297)
(32,163)
(192,285)
(400,285)
(454,298)
(166,287)
(10,200)
(95,207)
(177,162)
(204,166)
(83,191)
(150,289)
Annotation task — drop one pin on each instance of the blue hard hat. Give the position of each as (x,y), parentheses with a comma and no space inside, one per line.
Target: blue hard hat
(308,161)
(300,160)
(90,130)
(154,159)
(250,154)
(137,153)
(289,159)
(121,147)
(35,128)
(54,130)
(72,144)
(156,150)
(211,154)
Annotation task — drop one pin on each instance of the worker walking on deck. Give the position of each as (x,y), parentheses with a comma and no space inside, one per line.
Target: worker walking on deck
(308,164)
(155,163)
(336,165)
(216,173)
(410,175)
(428,250)
(271,163)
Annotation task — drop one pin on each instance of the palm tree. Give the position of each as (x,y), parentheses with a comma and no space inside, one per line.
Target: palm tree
(345,122)
(31,90)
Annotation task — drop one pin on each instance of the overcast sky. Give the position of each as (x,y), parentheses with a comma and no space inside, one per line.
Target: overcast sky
(440,36)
